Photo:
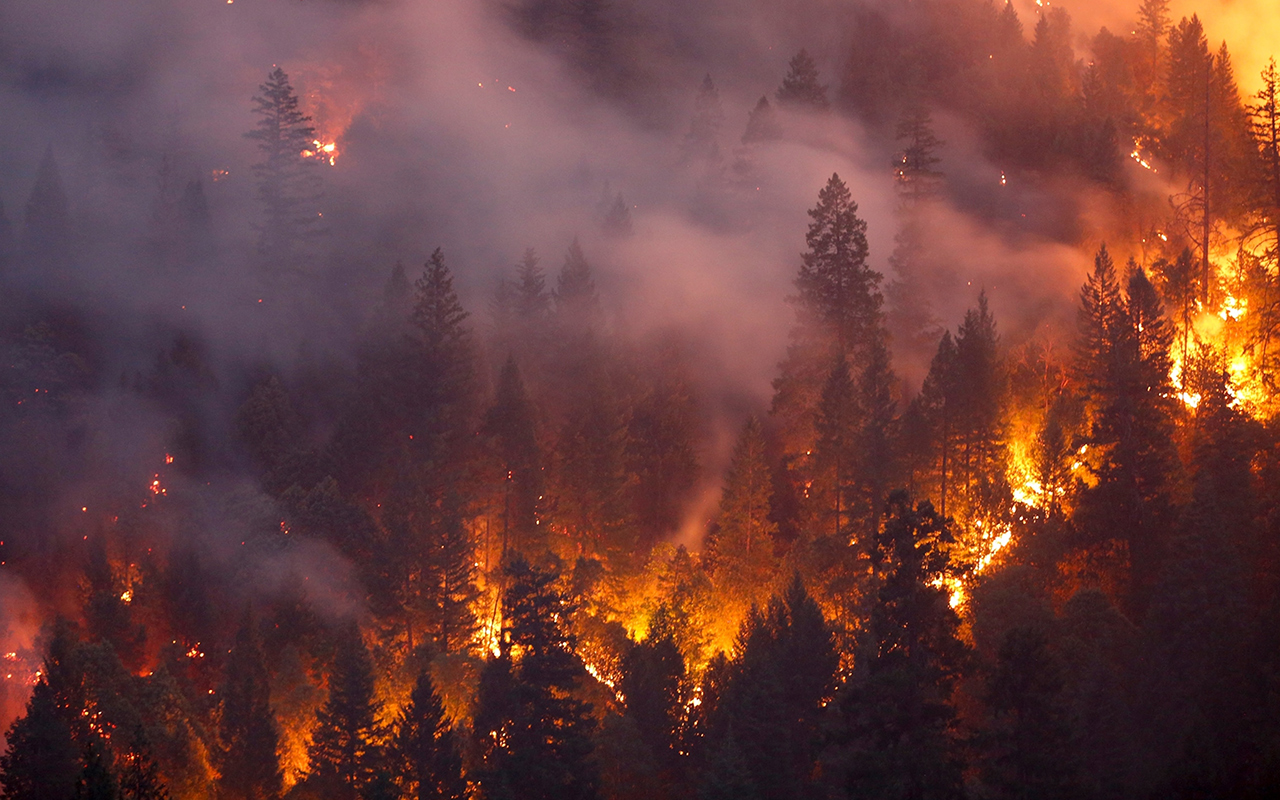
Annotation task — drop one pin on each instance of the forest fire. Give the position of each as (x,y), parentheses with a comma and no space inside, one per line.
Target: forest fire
(326,152)
(987,459)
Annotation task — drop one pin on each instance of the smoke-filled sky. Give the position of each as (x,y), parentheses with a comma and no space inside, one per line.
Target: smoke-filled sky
(453,131)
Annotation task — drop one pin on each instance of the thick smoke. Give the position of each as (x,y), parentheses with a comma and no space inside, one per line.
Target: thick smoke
(454,130)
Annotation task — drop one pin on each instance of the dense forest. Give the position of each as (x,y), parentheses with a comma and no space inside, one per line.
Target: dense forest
(365,540)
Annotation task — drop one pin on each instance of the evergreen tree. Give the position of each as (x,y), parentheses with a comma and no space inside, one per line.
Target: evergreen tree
(762,124)
(1026,749)
(97,780)
(428,747)
(939,412)
(534,735)
(617,222)
(288,185)
(140,777)
(532,303)
(1266,131)
(510,425)
(727,776)
(42,761)
(47,230)
(979,401)
(914,166)
(873,458)
(777,687)
(837,419)
(741,545)
(440,391)
(837,308)
(896,735)
(577,306)
(247,762)
(448,591)
(267,423)
(800,88)
(391,317)
(836,290)
(702,141)
(345,750)
(660,454)
(1122,363)
(1151,31)
(910,316)
(653,685)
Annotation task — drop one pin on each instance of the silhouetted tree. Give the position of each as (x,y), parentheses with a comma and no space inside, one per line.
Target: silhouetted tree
(47,230)
(42,762)
(740,548)
(702,141)
(896,736)
(345,753)
(772,701)
(427,747)
(800,88)
(533,733)
(762,123)
(247,762)
(288,186)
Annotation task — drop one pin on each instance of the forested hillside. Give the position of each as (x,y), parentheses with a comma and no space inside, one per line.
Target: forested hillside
(302,497)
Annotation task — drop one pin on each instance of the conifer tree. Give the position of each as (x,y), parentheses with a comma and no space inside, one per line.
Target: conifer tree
(510,425)
(97,780)
(577,306)
(800,88)
(396,306)
(345,752)
(979,401)
(288,186)
(772,701)
(617,221)
(660,455)
(1123,372)
(910,317)
(940,409)
(741,547)
(1026,748)
(267,423)
(1151,31)
(441,386)
(914,167)
(247,762)
(438,317)
(427,746)
(47,231)
(140,776)
(762,123)
(836,290)
(872,457)
(836,423)
(837,309)
(532,303)
(42,761)
(1266,130)
(653,685)
(533,733)
(448,591)
(896,734)
(702,141)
